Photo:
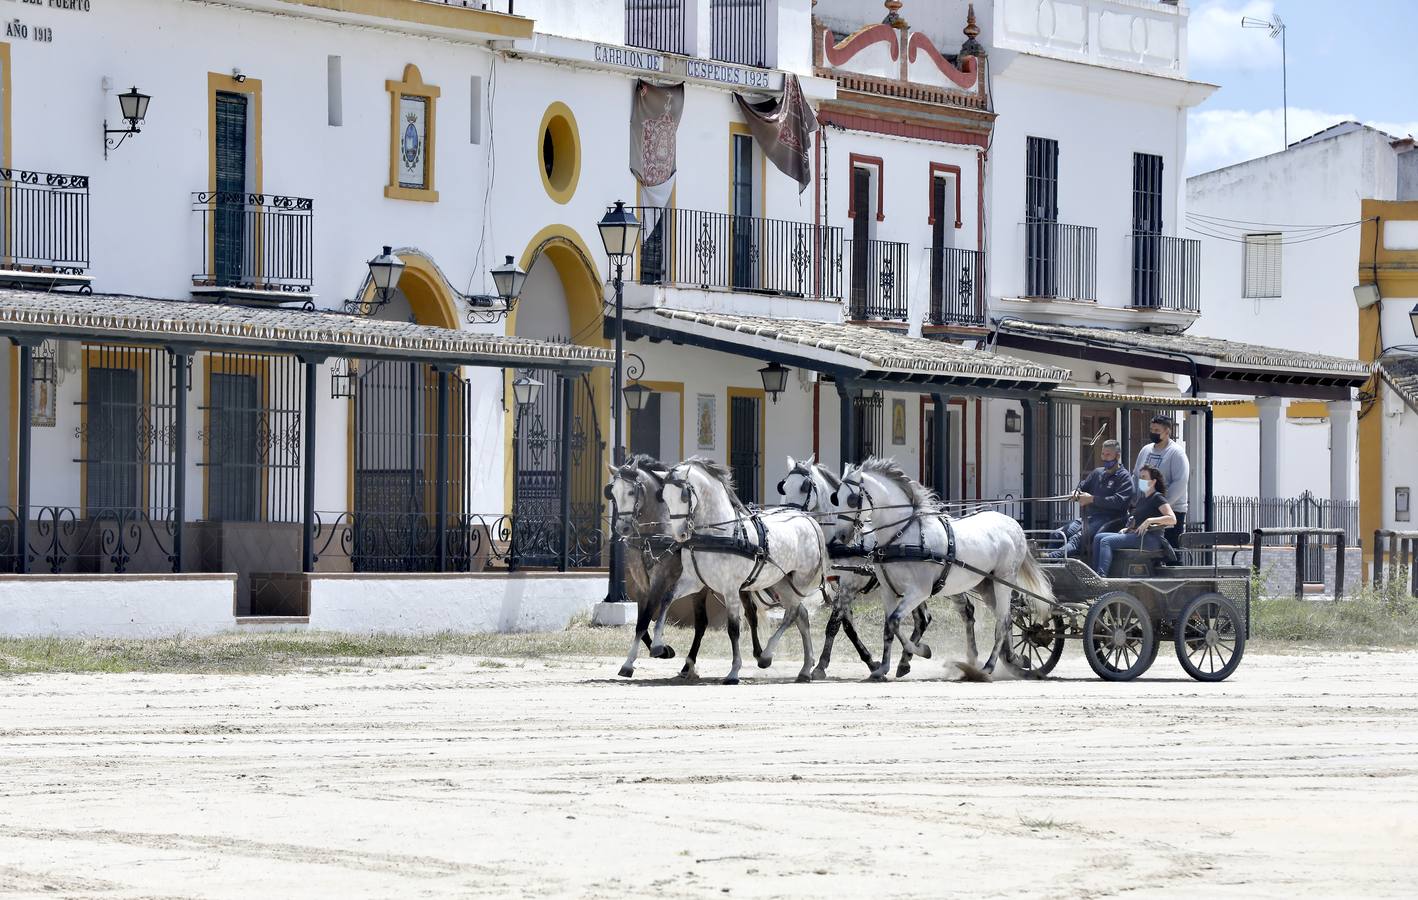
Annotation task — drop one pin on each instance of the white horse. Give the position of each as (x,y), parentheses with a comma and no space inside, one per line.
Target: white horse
(905,522)
(729,549)
(808,486)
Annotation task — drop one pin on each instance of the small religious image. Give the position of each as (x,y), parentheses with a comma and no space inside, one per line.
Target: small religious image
(898,421)
(42,398)
(706,421)
(413,152)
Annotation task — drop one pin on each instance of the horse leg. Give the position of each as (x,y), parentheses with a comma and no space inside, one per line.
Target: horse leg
(750,612)
(790,616)
(701,624)
(922,620)
(888,634)
(834,622)
(849,628)
(642,633)
(1003,595)
(805,631)
(731,624)
(967,613)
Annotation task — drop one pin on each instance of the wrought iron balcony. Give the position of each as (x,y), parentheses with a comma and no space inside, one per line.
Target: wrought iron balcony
(254,242)
(46,228)
(1166,272)
(1060,261)
(957,286)
(692,248)
(739,32)
(879,271)
(655,25)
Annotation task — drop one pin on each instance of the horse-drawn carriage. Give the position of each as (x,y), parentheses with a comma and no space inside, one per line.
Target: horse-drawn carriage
(1200,605)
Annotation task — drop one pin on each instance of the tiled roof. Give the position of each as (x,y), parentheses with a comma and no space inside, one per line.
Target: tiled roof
(1215,351)
(1400,371)
(877,350)
(115,317)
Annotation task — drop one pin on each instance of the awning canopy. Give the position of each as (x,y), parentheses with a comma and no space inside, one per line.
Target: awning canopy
(204,326)
(865,356)
(1400,372)
(1216,364)
(1160,401)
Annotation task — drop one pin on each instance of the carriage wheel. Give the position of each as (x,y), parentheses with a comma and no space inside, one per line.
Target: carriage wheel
(1210,637)
(1118,639)
(1037,645)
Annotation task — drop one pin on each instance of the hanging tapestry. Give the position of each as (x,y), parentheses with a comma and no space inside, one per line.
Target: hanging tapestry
(782,128)
(654,118)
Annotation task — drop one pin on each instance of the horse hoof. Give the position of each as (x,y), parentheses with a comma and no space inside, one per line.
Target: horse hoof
(970,673)
(903,670)
(663,652)
(819,674)
(627,671)
(765,661)
(876,676)
(804,678)
(925,651)
(688,675)
(732,679)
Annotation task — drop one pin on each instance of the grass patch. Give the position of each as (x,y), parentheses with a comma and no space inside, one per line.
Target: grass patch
(1387,617)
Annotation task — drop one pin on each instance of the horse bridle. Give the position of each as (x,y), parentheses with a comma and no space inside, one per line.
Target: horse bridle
(808,489)
(626,473)
(687,495)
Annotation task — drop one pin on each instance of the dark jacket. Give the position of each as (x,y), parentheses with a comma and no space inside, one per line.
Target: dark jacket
(1112,492)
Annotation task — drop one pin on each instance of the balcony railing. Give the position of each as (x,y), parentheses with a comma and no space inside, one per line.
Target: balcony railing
(692,248)
(45,221)
(1166,272)
(879,280)
(957,286)
(739,32)
(655,25)
(1060,261)
(259,242)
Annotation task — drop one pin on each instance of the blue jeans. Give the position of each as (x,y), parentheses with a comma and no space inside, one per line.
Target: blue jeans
(1105,543)
(1075,535)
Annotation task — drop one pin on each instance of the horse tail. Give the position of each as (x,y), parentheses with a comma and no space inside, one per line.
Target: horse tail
(1032,578)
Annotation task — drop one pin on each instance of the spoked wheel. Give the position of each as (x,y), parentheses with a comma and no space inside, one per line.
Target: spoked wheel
(1037,644)
(1118,639)
(1210,637)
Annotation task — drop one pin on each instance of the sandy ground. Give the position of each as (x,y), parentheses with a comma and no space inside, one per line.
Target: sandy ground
(471,777)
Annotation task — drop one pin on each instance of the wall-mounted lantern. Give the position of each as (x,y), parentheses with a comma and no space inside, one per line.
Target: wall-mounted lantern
(133,105)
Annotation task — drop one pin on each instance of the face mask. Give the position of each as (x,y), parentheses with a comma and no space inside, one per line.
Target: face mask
(1144,485)
(1110,463)
(1156,438)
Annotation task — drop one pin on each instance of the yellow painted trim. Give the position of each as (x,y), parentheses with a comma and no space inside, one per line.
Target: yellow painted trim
(762,428)
(1244,410)
(6,86)
(412,85)
(251,87)
(417,12)
(1307,409)
(560,185)
(583,285)
(663,387)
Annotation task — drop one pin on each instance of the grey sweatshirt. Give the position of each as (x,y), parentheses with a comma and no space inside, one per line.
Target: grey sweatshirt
(1175,470)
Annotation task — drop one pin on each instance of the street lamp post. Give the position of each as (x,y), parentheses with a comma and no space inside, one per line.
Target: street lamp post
(526,390)
(620,232)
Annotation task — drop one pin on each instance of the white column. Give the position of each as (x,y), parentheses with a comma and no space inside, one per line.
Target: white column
(1196,458)
(1272,439)
(699,34)
(1341,449)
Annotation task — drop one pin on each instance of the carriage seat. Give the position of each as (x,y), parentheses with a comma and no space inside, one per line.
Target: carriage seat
(1137,563)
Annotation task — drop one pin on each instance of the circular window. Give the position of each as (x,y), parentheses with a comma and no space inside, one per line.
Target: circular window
(560,152)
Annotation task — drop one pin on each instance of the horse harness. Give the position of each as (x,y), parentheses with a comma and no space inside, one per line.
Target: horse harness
(891,551)
(738,543)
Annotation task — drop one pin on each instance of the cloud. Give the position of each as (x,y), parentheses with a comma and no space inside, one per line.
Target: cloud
(1222,137)
(1216,39)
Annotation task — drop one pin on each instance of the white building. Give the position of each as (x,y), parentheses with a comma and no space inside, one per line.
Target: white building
(1281,237)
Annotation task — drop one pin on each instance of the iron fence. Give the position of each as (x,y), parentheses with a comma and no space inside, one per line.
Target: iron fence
(1253,514)
(739,32)
(408,542)
(45,221)
(879,279)
(255,241)
(108,540)
(655,25)
(689,247)
(957,286)
(1060,261)
(1166,272)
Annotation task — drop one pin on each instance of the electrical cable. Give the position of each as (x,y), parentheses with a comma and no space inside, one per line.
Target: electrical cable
(1222,220)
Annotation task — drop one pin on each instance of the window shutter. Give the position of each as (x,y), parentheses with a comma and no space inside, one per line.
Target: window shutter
(1262,265)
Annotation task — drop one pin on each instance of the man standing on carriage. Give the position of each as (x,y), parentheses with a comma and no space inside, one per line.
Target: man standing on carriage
(1103,499)
(1167,456)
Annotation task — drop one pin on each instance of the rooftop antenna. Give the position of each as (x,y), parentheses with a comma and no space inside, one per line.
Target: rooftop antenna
(1276,27)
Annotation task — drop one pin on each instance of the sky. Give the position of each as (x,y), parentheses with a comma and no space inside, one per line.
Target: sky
(1354,59)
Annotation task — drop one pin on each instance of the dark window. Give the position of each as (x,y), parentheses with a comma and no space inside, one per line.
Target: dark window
(861,240)
(645,428)
(746,445)
(870,438)
(228,242)
(233,450)
(1147,230)
(1041,213)
(744,225)
(112,476)
(548,152)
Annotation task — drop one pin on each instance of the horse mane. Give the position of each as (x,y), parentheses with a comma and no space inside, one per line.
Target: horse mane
(725,477)
(649,464)
(832,480)
(887,468)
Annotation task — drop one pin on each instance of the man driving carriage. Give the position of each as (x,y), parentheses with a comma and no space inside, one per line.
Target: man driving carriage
(1103,499)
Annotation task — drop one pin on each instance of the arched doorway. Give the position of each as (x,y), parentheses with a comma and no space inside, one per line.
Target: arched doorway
(561,301)
(408,463)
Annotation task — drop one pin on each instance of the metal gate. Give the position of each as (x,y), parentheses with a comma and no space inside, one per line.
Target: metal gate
(540,479)
(746,446)
(397,484)
(870,438)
